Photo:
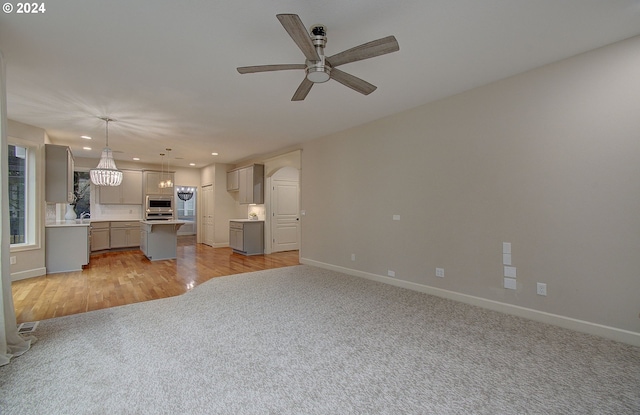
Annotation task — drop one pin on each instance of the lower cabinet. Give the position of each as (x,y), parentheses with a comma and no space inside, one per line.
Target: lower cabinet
(116,234)
(99,236)
(125,234)
(247,237)
(67,248)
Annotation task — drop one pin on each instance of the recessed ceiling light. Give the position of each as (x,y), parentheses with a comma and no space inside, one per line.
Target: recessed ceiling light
(86,148)
(86,137)
(192,164)
(214,154)
(136,158)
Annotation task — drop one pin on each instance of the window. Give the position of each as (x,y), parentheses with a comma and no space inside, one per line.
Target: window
(22,194)
(18,191)
(186,209)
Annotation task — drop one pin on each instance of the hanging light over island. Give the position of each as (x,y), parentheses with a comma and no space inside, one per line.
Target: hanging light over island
(106,173)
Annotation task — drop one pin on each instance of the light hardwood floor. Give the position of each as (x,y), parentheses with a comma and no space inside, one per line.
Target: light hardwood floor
(124,277)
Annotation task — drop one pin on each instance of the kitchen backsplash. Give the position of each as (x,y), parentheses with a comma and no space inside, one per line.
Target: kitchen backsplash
(116,212)
(258,210)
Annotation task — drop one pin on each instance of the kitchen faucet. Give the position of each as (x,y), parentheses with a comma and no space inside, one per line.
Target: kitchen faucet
(84,215)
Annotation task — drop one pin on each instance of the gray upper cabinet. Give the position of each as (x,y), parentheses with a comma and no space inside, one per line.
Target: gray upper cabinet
(58,174)
(151,182)
(233,182)
(128,193)
(251,184)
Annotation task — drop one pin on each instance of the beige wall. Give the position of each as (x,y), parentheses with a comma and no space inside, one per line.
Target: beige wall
(548,160)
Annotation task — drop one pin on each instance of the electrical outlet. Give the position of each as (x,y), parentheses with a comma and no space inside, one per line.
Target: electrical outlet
(12,260)
(440,272)
(542,288)
(353,257)
(391,273)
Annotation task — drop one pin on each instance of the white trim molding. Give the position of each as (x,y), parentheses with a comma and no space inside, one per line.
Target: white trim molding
(30,273)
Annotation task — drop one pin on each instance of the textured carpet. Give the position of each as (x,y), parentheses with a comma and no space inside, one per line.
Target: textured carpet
(302,340)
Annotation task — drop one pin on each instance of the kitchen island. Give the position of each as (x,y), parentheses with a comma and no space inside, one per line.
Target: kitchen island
(158,238)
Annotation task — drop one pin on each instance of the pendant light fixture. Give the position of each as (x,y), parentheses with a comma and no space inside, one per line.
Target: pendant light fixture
(106,174)
(185,193)
(165,182)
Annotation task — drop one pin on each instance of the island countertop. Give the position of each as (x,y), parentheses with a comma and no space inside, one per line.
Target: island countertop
(163,222)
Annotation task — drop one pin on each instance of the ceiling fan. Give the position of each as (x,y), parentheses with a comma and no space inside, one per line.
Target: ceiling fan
(320,68)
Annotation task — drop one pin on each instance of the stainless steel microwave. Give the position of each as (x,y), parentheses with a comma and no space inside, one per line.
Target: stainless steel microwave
(159,204)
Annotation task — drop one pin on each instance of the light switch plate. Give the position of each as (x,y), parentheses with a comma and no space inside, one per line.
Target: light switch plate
(510,283)
(506,247)
(510,272)
(396,217)
(506,259)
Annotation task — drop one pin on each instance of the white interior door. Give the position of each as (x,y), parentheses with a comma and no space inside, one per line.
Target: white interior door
(285,223)
(207,215)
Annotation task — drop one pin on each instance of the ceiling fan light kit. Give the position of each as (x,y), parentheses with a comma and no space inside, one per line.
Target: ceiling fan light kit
(319,68)
(106,173)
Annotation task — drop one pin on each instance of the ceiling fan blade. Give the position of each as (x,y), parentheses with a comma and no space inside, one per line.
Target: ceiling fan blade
(294,26)
(303,90)
(352,82)
(267,68)
(365,51)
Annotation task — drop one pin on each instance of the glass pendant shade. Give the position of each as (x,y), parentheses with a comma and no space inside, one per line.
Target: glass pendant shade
(165,183)
(106,174)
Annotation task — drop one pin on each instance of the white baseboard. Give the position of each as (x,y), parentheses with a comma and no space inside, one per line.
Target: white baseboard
(30,273)
(608,332)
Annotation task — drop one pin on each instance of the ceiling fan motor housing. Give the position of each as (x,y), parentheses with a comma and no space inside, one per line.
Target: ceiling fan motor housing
(318,71)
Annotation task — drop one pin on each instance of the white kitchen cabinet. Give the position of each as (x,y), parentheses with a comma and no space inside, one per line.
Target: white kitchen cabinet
(125,234)
(58,174)
(99,236)
(128,193)
(66,247)
(247,236)
(151,182)
(251,184)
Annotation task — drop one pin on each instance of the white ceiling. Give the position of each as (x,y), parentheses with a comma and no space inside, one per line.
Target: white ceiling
(166,70)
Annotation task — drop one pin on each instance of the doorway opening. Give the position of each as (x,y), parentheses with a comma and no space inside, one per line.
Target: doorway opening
(186,211)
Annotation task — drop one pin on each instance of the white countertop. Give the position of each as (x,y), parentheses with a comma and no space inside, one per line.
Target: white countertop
(163,222)
(246,220)
(115,220)
(64,223)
